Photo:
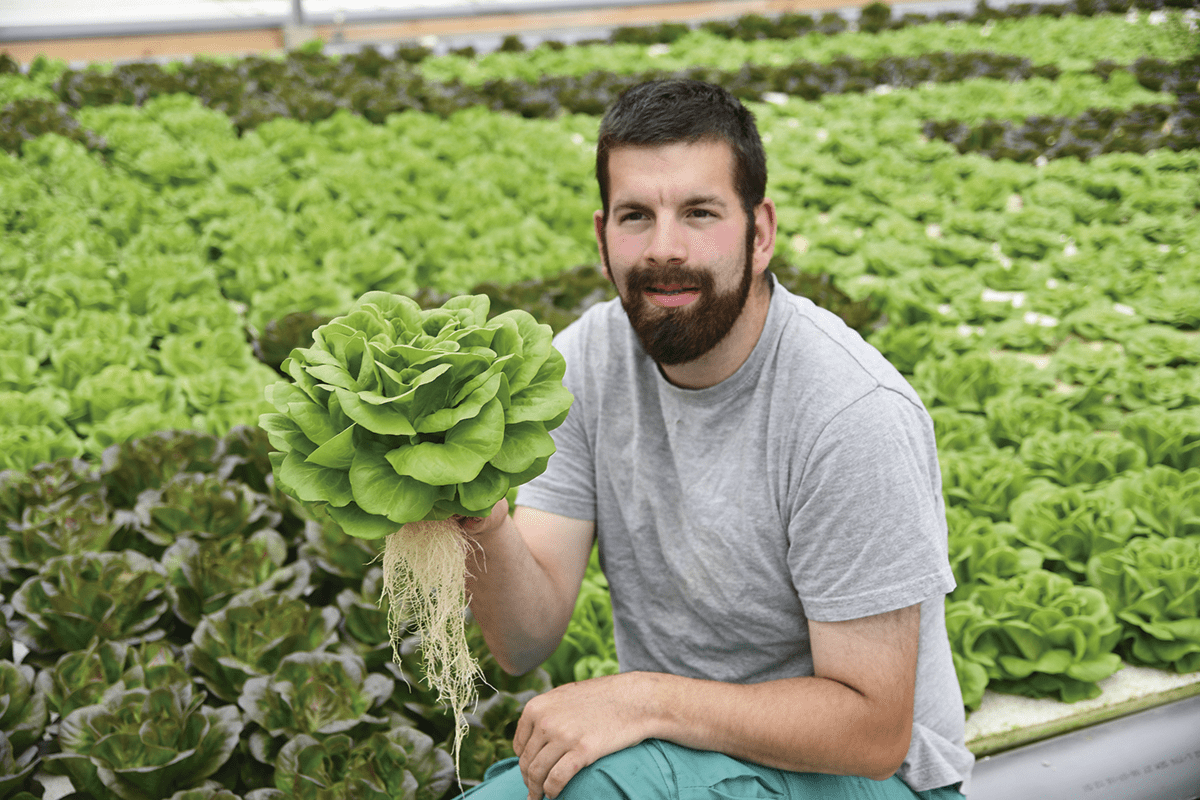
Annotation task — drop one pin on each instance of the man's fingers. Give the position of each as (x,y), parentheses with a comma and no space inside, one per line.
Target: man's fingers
(535,763)
(564,769)
(524,731)
(549,770)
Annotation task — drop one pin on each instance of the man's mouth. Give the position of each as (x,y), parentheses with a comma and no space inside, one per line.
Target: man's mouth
(671,295)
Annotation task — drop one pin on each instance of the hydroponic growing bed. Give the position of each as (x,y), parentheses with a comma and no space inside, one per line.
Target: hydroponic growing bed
(1005,205)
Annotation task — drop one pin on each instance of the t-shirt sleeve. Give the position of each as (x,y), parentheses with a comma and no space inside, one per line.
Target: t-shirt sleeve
(568,486)
(867,532)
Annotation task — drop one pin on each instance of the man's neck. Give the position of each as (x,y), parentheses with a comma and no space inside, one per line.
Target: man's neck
(731,352)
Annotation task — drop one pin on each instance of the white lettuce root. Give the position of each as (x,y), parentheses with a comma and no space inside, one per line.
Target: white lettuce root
(424,584)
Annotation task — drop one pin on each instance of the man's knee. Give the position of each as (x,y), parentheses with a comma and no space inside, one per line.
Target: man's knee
(630,774)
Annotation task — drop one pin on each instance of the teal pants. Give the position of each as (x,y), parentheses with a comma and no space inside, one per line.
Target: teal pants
(659,770)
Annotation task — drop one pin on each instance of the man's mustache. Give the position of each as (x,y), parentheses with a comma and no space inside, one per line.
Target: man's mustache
(642,278)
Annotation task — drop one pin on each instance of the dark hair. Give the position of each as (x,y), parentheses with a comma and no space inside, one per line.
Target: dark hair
(683,110)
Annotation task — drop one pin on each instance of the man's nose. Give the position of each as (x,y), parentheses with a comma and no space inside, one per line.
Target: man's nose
(668,244)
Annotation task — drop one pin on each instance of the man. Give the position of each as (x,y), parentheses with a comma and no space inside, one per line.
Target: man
(765,492)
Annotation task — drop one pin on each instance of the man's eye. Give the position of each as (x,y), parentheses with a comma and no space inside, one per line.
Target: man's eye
(632,216)
(701,212)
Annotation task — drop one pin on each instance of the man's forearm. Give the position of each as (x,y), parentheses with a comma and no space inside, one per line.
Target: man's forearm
(854,718)
(801,724)
(518,606)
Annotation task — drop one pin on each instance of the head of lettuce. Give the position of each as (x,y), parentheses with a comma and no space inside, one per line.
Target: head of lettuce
(398,414)
(399,418)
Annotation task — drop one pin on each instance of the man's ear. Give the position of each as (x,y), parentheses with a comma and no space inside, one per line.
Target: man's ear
(765,227)
(598,224)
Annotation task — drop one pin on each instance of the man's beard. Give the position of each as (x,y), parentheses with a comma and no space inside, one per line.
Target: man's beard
(673,336)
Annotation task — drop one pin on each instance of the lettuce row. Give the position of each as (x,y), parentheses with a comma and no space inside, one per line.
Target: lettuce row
(398,414)
(874,17)
(311,88)
(1095,132)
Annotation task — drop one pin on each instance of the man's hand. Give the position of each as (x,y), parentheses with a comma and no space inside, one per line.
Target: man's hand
(568,728)
(482,526)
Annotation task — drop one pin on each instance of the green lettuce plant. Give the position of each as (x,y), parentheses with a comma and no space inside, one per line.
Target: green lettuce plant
(959,430)
(1010,420)
(1102,320)
(81,678)
(23,447)
(97,397)
(399,764)
(398,415)
(45,484)
(966,622)
(1082,362)
(141,744)
(203,506)
(131,422)
(23,713)
(1074,456)
(1169,436)
(149,462)
(983,481)
(1039,634)
(344,559)
(1068,525)
(968,381)
(982,551)
(251,636)
(1165,501)
(205,574)
(1137,388)
(209,790)
(1161,346)
(67,525)
(33,417)
(16,769)
(318,693)
(364,624)
(111,595)
(399,418)
(1153,585)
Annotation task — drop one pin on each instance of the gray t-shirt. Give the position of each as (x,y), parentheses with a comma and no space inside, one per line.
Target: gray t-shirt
(806,485)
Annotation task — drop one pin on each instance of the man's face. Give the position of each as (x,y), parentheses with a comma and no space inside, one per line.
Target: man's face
(677,245)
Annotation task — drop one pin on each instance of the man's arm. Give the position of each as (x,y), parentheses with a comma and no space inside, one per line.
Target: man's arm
(524,580)
(853,717)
